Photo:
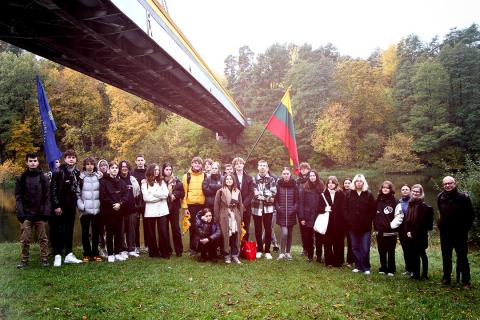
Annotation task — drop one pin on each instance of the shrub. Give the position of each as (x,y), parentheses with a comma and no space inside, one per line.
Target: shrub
(8,171)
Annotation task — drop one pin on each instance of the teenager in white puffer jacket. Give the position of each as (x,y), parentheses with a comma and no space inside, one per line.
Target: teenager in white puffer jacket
(88,202)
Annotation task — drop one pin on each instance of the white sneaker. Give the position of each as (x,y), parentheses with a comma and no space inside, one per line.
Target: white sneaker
(381,272)
(367,272)
(133,254)
(259,255)
(57,262)
(355,270)
(268,256)
(288,256)
(390,274)
(124,254)
(70,258)
(228,260)
(137,250)
(236,260)
(281,256)
(119,257)
(111,259)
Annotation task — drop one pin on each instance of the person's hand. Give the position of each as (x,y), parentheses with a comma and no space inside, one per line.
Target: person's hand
(172,197)
(116,206)
(302,222)
(186,213)
(409,234)
(204,240)
(58,211)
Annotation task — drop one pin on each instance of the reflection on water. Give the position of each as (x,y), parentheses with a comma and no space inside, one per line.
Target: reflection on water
(10,227)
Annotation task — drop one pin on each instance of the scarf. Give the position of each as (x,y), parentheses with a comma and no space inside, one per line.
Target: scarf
(229,196)
(413,209)
(169,181)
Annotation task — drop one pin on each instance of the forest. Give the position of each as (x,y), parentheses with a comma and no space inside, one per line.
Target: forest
(407,107)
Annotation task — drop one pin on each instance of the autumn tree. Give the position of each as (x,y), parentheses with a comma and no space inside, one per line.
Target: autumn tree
(398,156)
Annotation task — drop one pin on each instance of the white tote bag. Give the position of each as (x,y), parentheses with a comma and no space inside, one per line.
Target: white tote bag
(321,223)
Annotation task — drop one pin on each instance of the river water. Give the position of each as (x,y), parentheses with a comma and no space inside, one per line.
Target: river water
(10,227)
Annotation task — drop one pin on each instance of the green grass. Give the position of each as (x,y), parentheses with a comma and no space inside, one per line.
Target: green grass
(181,288)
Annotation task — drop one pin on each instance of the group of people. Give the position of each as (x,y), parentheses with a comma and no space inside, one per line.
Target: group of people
(113,199)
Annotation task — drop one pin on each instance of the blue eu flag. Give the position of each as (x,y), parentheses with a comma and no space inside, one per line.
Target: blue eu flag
(48,127)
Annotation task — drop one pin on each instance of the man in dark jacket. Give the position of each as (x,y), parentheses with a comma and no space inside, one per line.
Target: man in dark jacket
(246,186)
(64,186)
(33,208)
(456,219)
(139,174)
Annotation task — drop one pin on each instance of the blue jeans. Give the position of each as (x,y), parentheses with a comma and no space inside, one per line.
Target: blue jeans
(361,249)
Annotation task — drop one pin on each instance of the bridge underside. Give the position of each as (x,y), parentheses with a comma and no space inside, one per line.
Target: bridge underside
(97,39)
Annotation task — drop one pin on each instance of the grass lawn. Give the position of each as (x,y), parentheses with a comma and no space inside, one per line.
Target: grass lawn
(181,288)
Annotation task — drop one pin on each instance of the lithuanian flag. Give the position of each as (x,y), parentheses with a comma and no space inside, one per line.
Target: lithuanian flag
(281,125)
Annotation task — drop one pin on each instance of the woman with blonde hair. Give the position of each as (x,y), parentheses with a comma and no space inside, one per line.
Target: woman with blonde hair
(228,209)
(360,212)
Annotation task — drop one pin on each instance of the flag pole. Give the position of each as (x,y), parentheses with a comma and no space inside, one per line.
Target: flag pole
(261,135)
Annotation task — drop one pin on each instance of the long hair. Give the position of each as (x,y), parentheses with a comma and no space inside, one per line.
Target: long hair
(150,175)
(359,177)
(234,185)
(390,186)
(333,180)
(317,185)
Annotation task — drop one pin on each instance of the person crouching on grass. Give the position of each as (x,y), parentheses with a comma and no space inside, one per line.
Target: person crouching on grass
(228,208)
(33,208)
(207,234)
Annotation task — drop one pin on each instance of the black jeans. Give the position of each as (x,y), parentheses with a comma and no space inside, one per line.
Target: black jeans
(320,241)
(308,237)
(386,250)
(266,220)
(416,253)
(129,227)
(233,243)
(93,221)
(459,243)
(173,220)
(208,250)
(247,215)
(402,235)
(157,246)
(140,216)
(62,231)
(193,209)
(113,224)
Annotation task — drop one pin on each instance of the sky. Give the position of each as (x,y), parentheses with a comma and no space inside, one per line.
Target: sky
(218,28)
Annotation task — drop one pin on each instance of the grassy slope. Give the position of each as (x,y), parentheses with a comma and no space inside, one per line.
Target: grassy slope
(181,288)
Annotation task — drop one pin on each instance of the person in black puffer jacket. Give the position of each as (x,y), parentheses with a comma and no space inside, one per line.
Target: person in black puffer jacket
(386,223)
(417,224)
(286,204)
(360,211)
(310,205)
(211,184)
(207,234)
(113,199)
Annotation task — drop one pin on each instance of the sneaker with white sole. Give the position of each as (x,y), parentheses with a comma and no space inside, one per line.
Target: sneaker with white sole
(390,274)
(281,256)
(119,257)
(57,261)
(355,270)
(367,272)
(259,255)
(111,259)
(236,260)
(268,256)
(70,258)
(133,254)
(124,254)
(289,257)
(228,260)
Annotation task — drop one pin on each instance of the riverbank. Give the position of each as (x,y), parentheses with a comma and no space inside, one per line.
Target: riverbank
(181,288)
